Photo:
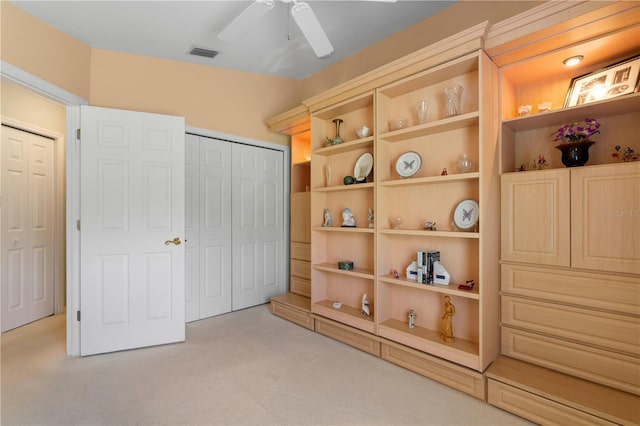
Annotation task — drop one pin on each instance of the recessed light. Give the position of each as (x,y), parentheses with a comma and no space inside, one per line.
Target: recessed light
(572,61)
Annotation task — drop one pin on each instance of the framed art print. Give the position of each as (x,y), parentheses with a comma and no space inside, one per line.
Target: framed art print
(615,80)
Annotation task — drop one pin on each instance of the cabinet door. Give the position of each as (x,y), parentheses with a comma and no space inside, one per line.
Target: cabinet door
(606,218)
(536,217)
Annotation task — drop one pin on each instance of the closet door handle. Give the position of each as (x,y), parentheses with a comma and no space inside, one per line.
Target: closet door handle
(175,241)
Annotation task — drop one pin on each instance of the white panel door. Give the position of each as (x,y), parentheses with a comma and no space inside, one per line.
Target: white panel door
(258,225)
(192,228)
(215,227)
(132,205)
(27,227)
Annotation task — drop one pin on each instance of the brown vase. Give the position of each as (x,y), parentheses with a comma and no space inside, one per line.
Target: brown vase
(575,154)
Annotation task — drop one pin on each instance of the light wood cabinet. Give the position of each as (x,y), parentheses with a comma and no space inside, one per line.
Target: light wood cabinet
(570,279)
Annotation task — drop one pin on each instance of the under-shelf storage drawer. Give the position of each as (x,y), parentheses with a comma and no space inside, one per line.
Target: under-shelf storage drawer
(353,337)
(294,308)
(609,368)
(463,379)
(535,408)
(609,331)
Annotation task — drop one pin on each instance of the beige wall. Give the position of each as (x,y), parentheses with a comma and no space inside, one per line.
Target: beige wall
(455,18)
(25,106)
(38,48)
(213,98)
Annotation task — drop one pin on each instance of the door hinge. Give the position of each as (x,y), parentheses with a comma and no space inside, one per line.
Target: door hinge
(78,224)
(78,134)
(78,315)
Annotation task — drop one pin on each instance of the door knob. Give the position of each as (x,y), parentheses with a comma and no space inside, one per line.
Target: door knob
(175,241)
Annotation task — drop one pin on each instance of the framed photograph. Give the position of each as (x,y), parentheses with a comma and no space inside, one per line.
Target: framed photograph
(617,79)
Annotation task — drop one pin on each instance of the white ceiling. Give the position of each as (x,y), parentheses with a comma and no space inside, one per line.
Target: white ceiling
(168,29)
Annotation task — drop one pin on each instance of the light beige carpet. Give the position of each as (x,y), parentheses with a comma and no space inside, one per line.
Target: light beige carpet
(244,368)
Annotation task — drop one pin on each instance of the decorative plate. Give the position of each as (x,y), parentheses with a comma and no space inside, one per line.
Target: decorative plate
(408,164)
(364,165)
(465,216)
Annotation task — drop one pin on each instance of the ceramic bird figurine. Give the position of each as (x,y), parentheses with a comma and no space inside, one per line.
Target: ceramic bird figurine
(365,306)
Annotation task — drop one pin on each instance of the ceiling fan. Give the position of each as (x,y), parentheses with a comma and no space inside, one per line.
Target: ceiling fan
(301,13)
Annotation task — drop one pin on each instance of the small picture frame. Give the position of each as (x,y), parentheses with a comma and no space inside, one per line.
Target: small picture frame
(614,80)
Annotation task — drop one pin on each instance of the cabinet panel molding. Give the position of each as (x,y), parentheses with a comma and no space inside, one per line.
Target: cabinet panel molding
(536,217)
(614,293)
(608,368)
(301,251)
(607,330)
(605,206)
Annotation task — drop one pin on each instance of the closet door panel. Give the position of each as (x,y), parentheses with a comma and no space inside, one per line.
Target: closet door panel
(273,271)
(258,253)
(248,212)
(215,227)
(192,228)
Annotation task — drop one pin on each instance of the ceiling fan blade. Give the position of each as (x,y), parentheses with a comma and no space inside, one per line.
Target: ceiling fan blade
(311,29)
(245,21)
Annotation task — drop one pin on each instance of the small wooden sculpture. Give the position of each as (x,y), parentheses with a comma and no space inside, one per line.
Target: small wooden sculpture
(447,321)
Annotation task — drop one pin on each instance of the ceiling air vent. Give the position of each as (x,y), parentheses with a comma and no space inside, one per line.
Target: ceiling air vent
(202,51)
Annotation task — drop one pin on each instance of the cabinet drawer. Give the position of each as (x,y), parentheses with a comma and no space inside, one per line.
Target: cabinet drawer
(607,330)
(463,379)
(343,333)
(292,314)
(612,369)
(535,408)
(300,286)
(301,269)
(614,293)
(301,251)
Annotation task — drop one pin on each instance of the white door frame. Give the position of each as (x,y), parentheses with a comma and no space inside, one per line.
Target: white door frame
(59,305)
(73,103)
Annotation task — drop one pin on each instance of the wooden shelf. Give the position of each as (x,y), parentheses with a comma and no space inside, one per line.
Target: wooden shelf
(354,187)
(345,314)
(355,272)
(439,126)
(462,351)
(431,234)
(456,177)
(356,230)
(615,106)
(451,289)
(346,146)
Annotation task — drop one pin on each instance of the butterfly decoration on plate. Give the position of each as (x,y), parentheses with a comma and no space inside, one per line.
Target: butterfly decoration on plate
(408,165)
(466,214)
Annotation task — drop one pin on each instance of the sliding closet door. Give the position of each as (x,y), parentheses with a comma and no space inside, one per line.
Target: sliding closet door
(215,227)
(258,225)
(208,227)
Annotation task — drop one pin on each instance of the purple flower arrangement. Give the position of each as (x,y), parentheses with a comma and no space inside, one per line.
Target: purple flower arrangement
(578,131)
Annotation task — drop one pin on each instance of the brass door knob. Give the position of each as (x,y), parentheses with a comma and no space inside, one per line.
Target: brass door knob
(175,241)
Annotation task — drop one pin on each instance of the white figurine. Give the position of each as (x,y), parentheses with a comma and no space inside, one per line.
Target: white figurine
(365,306)
(348,219)
(412,319)
(370,217)
(327,218)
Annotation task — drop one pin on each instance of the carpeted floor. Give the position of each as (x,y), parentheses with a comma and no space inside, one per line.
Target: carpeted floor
(244,368)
